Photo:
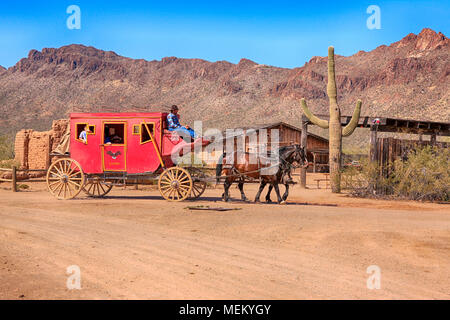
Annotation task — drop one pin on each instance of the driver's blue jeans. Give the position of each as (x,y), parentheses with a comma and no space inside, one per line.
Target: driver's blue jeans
(184,131)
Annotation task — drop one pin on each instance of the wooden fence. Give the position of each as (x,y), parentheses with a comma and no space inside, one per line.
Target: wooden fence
(390,149)
(14,171)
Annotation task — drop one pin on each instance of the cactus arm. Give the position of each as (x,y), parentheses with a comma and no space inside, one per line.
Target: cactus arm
(331,87)
(317,121)
(351,126)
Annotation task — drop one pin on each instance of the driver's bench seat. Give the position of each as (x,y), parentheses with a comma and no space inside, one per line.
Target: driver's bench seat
(168,132)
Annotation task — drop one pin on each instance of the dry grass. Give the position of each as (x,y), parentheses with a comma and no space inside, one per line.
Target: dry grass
(6,148)
(425,175)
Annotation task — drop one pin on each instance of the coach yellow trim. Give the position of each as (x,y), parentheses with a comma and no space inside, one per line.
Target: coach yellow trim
(142,132)
(155,146)
(102,146)
(84,124)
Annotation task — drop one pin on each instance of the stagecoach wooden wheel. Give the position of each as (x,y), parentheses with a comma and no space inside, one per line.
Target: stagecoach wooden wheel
(198,186)
(65,179)
(96,188)
(175,184)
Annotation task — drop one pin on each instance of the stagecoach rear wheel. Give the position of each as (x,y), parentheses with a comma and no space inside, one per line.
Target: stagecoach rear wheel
(96,188)
(175,184)
(65,179)
(198,186)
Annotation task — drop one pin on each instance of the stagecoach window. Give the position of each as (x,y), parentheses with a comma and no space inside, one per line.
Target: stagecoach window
(114,133)
(80,127)
(136,129)
(145,136)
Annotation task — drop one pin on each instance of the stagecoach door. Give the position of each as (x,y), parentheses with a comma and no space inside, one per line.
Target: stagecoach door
(114,146)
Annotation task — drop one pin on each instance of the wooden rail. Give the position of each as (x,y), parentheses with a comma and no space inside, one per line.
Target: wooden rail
(14,172)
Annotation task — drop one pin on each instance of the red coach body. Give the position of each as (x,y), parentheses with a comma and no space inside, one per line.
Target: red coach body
(136,153)
(120,149)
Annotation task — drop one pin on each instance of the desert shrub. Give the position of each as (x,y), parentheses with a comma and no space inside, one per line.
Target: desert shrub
(365,180)
(8,164)
(6,148)
(425,175)
(191,159)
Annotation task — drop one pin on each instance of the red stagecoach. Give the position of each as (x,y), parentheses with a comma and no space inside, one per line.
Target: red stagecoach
(141,148)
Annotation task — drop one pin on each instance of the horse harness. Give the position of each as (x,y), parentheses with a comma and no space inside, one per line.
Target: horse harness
(285,166)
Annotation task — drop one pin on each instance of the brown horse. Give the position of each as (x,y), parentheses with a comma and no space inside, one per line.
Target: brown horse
(286,180)
(238,167)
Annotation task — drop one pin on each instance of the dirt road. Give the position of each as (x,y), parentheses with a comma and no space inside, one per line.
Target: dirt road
(133,244)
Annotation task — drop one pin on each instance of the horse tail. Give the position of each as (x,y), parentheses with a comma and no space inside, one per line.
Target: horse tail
(219,168)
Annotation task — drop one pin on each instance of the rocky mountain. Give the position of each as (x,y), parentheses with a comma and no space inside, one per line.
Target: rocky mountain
(409,79)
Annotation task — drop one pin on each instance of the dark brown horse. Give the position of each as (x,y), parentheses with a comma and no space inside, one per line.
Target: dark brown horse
(286,180)
(238,167)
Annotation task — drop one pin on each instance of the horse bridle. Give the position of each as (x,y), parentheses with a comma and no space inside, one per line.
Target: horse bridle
(290,165)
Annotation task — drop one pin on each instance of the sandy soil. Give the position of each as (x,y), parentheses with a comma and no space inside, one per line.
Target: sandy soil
(135,245)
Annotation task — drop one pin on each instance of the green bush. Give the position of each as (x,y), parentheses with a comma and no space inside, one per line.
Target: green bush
(6,148)
(8,164)
(191,159)
(365,180)
(425,175)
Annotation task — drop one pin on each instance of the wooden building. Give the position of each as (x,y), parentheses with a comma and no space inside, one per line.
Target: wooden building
(317,146)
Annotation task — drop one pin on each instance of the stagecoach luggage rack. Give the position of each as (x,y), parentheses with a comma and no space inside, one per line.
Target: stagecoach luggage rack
(55,154)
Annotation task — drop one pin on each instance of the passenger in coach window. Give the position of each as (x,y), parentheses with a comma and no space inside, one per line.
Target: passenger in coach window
(112,137)
(83,134)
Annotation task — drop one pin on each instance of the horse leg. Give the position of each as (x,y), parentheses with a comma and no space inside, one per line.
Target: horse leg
(286,193)
(277,190)
(226,187)
(261,187)
(241,189)
(268,194)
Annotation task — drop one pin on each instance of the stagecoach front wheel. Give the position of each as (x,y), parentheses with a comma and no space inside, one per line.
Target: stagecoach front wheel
(175,184)
(65,179)
(96,188)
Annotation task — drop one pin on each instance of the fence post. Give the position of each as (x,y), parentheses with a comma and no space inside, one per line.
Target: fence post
(14,179)
(314,162)
(373,151)
(373,143)
(433,139)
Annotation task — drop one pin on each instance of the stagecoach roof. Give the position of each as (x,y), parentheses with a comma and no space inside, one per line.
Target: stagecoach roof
(109,115)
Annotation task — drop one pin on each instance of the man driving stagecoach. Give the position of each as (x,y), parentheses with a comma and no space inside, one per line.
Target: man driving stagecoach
(173,123)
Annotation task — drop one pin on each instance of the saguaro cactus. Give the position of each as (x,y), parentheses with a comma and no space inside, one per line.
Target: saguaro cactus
(334,124)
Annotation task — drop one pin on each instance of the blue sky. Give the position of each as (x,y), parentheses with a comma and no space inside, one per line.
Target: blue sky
(279,33)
